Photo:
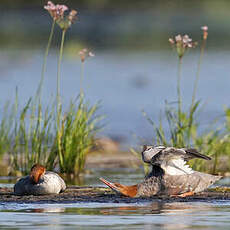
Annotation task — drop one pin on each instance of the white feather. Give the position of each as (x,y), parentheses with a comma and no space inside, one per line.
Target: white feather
(176,167)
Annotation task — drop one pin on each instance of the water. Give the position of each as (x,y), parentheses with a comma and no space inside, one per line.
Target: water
(125,82)
(151,215)
(92,215)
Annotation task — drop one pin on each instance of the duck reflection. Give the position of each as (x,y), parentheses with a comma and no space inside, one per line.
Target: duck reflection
(46,210)
(157,207)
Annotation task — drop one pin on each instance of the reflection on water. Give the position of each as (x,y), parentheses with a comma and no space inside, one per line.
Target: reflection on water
(157,215)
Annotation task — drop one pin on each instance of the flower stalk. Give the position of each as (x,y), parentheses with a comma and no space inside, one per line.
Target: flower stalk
(203,44)
(179,89)
(84,54)
(38,94)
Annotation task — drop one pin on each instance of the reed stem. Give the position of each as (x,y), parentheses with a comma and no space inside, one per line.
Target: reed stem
(58,100)
(59,69)
(38,93)
(179,90)
(82,77)
(198,72)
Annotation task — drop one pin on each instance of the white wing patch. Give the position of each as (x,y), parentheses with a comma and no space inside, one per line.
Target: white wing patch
(176,167)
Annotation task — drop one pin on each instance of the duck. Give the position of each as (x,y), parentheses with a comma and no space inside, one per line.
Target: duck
(170,174)
(39,182)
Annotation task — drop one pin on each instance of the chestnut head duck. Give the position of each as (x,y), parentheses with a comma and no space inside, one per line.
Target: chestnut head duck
(39,182)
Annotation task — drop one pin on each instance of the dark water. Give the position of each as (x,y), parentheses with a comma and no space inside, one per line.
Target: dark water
(125,82)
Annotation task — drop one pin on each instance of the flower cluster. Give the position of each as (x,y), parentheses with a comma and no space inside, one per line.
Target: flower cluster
(84,53)
(205,32)
(182,43)
(68,20)
(57,12)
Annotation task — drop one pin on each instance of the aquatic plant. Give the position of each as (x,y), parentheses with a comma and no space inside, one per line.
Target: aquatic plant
(30,137)
(183,125)
(75,137)
(75,128)
(50,135)
(182,44)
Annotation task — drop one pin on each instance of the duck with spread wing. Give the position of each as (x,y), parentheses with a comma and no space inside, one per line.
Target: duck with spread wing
(170,174)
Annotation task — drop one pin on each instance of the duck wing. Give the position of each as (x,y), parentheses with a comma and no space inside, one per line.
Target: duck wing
(192,153)
(183,153)
(173,160)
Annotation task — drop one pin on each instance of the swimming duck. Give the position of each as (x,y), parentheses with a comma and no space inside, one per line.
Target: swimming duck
(170,174)
(39,182)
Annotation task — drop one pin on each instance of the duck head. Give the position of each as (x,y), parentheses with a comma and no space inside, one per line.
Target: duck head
(149,151)
(36,172)
(130,191)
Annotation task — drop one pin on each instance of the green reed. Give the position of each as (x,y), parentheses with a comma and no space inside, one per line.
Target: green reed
(29,136)
(76,136)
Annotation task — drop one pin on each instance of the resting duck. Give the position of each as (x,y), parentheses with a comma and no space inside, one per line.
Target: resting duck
(170,175)
(39,182)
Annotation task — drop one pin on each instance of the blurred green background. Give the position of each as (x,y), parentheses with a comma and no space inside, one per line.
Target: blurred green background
(133,24)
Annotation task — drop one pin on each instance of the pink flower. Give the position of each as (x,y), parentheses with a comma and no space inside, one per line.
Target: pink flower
(66,21)
(56,11)
(182,43)
(84,54)
(205,32)
(204,28)
(178,38)
(60,9)
(91,54)
(72,16)
(171,41)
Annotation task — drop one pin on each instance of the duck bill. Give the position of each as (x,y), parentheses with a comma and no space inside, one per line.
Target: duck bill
(111,185)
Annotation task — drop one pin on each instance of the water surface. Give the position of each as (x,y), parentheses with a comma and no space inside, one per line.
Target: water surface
(156,215)
(125,82)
